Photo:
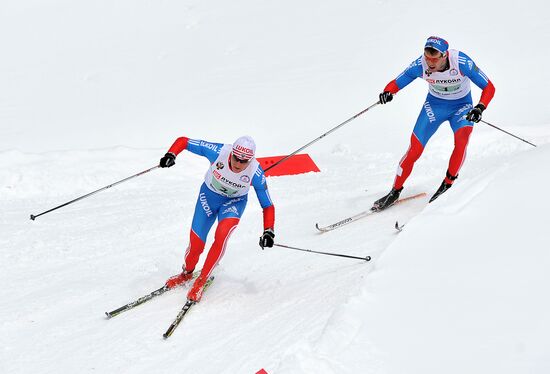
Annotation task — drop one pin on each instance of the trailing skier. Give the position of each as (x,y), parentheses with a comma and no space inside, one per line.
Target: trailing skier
(448,73)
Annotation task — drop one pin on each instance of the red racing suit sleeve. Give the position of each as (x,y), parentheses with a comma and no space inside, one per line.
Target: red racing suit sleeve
(392,87)
(179,145)
(487,94)
(269,217)
(260,186)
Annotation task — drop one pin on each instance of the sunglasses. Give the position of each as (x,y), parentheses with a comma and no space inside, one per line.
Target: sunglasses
(434,59)
(240,161)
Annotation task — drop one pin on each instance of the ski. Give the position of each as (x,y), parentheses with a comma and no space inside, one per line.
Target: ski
(179,317)
(144,299)
(183,312)
(137,302)
(366,213)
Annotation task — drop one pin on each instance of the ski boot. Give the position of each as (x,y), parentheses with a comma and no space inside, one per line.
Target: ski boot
(387,201)
(195,293)
(179,279)
(444,186)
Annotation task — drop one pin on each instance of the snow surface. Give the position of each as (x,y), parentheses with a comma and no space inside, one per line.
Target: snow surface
(93,92)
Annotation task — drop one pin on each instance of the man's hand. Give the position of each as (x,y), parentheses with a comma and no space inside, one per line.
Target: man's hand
(168,160)
(385,97)
(475,114)
(266,240)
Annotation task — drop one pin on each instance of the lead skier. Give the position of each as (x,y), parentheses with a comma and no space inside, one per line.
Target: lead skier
(223,195)
(448,73)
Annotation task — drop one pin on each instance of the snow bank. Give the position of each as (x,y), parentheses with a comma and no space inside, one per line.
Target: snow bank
(461,290)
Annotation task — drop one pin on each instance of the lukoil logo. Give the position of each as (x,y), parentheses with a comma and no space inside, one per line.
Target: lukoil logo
(434,40)
(209,146)
(204,204)
(244,150)
(429,112)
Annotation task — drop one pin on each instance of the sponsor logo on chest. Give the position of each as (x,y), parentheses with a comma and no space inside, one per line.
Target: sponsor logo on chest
(227,181)
(443,81)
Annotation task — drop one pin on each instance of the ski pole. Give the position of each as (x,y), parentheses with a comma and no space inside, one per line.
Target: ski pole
(368,258)
(506,132)
(33,217)
(322,136)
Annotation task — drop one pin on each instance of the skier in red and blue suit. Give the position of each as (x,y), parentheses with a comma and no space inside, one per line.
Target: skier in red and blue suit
(448,73)
(222,196)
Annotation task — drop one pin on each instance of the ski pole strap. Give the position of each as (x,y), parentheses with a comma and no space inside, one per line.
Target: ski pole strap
(368,258)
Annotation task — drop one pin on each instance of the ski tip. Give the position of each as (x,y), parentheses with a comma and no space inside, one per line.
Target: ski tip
(397,227)
(321,229)
(368,258)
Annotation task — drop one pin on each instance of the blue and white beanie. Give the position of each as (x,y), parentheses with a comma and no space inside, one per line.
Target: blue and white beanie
(438,43)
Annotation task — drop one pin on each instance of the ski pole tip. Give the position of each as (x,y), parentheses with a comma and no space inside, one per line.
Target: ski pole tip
(368,258)
(33,217)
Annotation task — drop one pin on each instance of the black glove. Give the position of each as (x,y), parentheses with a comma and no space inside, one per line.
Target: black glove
(266,240)
(168,160)
(385,97)
(475,114)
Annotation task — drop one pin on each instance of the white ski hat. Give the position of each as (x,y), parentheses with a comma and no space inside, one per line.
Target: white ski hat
(244,148)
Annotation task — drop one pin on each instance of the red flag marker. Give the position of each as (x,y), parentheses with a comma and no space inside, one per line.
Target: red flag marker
(297,164)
